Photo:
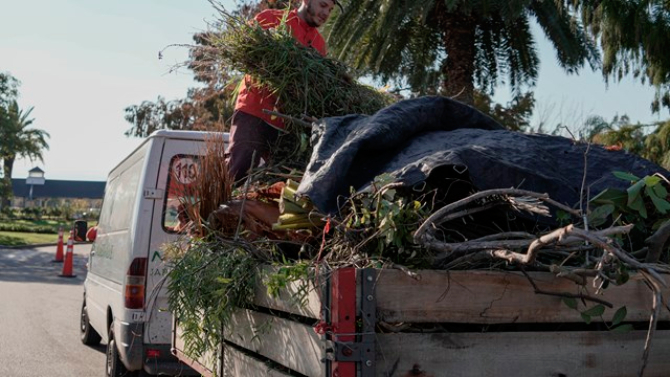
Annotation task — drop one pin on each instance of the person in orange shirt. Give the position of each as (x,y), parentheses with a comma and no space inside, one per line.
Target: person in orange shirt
(253,130)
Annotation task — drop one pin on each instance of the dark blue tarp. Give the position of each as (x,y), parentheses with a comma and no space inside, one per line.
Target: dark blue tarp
(413,138)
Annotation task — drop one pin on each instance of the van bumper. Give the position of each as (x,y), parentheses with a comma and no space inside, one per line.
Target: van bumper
(132,352)
(166,364)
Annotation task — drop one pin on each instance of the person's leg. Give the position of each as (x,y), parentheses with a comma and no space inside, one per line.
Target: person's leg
(248,134)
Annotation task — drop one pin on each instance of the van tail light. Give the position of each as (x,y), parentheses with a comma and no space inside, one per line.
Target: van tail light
(135,281)
(153,353)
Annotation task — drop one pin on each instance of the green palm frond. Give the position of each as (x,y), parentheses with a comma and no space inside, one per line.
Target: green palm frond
(406,41)
(18,139)
(573,46)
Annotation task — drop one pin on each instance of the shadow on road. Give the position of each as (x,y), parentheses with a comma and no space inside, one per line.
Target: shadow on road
(102,348)
(36,266)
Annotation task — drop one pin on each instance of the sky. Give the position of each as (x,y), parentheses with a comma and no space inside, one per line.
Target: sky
(82,62)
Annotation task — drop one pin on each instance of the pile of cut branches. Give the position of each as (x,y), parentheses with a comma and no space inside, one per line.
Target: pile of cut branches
(305,82)
(623,232)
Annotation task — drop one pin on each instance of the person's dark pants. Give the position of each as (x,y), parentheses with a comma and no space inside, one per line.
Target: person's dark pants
(248,134)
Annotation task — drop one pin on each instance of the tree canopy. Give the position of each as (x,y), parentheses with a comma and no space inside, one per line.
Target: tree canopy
(459,48)
(449,46)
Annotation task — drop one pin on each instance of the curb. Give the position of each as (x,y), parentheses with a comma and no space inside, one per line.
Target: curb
(32,246)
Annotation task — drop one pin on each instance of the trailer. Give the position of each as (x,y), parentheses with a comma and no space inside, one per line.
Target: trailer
(391,322)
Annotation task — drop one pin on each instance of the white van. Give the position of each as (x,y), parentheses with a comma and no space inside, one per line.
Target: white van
(125,293)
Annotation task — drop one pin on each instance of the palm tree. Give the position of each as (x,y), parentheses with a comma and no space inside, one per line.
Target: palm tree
(447,46)
(19,140)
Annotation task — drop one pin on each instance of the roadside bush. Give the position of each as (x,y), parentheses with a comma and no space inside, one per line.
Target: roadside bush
(11,241)
(33,213)
(27,228)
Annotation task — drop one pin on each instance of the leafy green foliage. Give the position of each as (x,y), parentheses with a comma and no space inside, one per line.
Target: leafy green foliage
(594,311)
(597,311)
(290,272)
(207,284)
(645,204)
(210,280)
(645,195)
(619,316)
(380,222)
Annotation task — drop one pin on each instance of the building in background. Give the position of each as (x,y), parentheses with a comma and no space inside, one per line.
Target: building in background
(38,192)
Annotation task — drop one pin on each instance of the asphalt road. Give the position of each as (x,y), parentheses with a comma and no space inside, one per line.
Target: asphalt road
(39,316)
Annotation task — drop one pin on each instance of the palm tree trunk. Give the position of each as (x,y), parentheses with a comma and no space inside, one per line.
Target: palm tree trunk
(7,192)
(459,42)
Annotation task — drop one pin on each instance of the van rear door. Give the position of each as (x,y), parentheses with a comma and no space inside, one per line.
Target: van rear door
(113,249)
(178,170)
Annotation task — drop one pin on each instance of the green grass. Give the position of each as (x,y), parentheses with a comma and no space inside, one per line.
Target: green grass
(25,232)
(20,238)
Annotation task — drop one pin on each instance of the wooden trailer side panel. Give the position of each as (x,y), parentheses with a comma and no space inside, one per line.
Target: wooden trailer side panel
(291,344)
(207,364)
(238,364)
(298,297)
(287,343)
(491,297)
(537,354)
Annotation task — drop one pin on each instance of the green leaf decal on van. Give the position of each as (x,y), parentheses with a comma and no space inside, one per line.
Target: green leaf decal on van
(157,254)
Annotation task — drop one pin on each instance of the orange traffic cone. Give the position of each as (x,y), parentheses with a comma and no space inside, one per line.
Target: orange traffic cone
(67,266)
(59,246)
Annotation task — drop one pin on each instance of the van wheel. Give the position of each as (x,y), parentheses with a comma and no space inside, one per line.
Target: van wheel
(115,367)
(88,335)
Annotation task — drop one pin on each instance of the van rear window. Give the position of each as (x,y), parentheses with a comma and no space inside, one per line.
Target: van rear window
(180,192)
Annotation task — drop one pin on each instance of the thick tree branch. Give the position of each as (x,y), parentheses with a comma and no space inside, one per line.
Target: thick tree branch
(656,242)
(558,237)
(438,216)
